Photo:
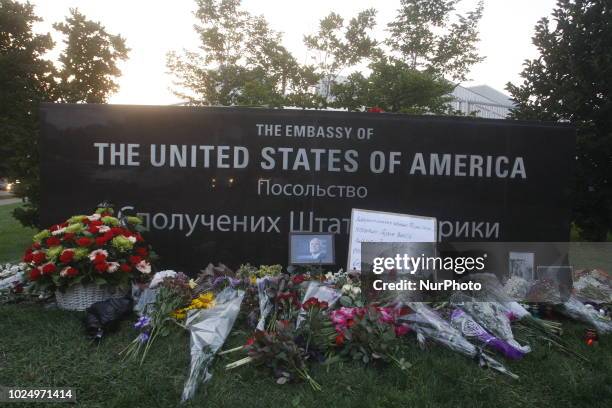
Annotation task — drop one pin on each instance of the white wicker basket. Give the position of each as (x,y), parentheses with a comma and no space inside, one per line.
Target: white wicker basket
(80,297)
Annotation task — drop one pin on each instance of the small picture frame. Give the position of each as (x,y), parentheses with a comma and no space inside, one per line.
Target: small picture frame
(521,264)
(311,248)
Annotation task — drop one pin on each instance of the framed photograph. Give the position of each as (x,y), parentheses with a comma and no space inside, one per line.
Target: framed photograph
(521,264)
(306,248)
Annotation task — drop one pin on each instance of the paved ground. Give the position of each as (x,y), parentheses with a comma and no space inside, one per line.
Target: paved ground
(7,198)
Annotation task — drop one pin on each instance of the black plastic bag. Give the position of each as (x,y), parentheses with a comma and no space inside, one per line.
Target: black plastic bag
(105,316)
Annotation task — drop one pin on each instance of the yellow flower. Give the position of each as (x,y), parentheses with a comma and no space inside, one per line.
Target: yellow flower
(179,314)
(253,280)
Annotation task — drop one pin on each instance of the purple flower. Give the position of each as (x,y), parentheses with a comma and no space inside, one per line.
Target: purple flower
(143,321)
(143,337)
(218,280)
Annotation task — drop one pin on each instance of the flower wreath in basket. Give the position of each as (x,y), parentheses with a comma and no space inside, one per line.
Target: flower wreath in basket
(98,248)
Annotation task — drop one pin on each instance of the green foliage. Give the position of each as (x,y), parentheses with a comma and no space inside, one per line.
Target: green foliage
(89,60)
(395,87)
(338,46)
(571,81)
(242,62)
(426,36)
(88,66)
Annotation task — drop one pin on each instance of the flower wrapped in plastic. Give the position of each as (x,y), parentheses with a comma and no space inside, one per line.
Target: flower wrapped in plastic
(490,315)
(266,300)
(493,291)
(429,325)
(209,329)
(321,292)
(577,310)
(470,329)
(593,286)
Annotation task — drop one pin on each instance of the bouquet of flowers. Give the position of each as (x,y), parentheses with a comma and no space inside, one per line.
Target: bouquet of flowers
(278,351)
(98,248)
(209,326)
(491,316)
(575,309)
(517,288)
(320,292)
(470,329)
(12,281)
(429,325)
(369,334)
(173,294)
(593,286)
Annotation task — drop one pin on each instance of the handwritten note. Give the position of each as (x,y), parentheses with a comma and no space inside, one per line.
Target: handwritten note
(376,226)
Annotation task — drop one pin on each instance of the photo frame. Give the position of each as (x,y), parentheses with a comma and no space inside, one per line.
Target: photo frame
(312,248)
(522,264)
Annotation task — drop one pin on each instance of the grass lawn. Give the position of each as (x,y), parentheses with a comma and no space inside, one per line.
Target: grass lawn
(47,348)
(40,347)
(14,238)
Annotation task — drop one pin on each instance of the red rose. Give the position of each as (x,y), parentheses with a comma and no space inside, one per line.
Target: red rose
(48,269)
(101,241)
(142,251)
(101,267)
(72,272)
(96,223)
(139,237)
(35,274)
(36,245)
(66,256)
(38,257)
(99,258)
(125,268)
(93,229)
(53,241)
(28,257)
(340,339)
(84,241)
(135,259)
(68,236)
(117,230)
(297,279)
(55,227)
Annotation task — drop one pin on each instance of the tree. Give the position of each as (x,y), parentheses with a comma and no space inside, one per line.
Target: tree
(425,37)
(86,72)
(571,81)
(426,50)
(241,61)
(89,61)
(26,79)
(395,87)
(338,47)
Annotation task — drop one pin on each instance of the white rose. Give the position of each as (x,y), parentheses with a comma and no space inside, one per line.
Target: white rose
(103,228)
(132,239)
(58,231)
(144,267)
(94,217)
(93,254)
(112,267)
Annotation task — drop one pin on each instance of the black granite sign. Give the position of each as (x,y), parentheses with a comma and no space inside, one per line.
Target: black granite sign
(229,184)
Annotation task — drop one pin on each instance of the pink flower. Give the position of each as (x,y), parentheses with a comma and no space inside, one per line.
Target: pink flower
(401,330)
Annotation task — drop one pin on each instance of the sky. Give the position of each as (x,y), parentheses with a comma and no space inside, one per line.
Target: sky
(152,28)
